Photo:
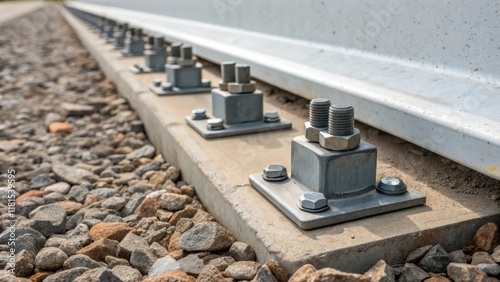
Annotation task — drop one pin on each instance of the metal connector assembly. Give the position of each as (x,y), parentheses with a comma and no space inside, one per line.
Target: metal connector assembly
(318,119)
(334,180)
(240,105)
(119,34)
(155,56)
(108,31)
(134,43)
(183,73)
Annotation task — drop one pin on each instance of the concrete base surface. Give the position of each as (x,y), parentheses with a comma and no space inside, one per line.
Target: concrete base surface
(219,169)
(10,10)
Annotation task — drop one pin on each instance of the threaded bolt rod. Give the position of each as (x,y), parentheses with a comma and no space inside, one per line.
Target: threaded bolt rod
(341,120)
(228,72)
(186,52)
(242,73)
(175,50)
(318,112)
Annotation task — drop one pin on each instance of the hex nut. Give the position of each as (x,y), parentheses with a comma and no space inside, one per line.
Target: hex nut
(240,88)
(339,143)
(312,133)
(186,62)
(392,186)
(313,201)
(215,124)
(275,172)
(271,116)
(206,82)
(172,60)
(223,86)
(157,82)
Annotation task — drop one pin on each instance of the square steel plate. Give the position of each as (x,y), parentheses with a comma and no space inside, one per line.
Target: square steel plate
(236,129)
(285,195)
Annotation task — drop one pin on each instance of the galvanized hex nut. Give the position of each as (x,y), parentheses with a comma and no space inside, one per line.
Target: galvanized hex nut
(186,62)
(339,143)
(172,60)
(239,88)
(198,114)
(312,133)
(157,82)
(271,116)
(313,201)
(223,86)
(215,124)
(275,172)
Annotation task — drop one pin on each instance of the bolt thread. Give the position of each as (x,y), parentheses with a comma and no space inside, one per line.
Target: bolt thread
(186,52)
(151,40)
(227,71)
(175,49)
(341,120)
(242,73)
(318,112)
(159,42)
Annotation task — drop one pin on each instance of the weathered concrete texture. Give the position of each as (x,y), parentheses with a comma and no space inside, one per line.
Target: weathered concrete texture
(14,9)
(219,170)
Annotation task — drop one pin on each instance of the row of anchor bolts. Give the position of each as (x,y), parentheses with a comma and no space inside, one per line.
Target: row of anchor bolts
(332,126)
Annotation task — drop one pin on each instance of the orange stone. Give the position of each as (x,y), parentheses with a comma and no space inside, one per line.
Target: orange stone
(100,249)
(40,276)
(110,230)
(60,127)
(90,199)
(71,207)
(148,207)
(171,276)
(30,193)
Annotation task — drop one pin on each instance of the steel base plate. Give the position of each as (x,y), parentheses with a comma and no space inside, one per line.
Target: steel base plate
(158,90)
(236,129)
(126,54)
(143,69)
(285,195)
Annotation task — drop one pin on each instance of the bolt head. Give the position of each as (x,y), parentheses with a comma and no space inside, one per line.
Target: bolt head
(340,143)
(206,82)
(198,112)
(313,201)
(271,114)
(275,172)
(166,86)
(157,82)
(312,133)
(215,122)
(391,185)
